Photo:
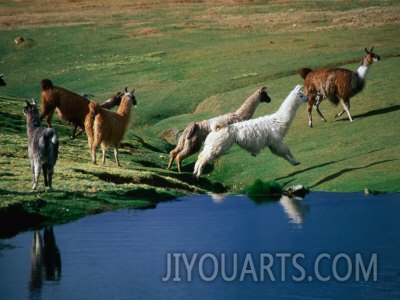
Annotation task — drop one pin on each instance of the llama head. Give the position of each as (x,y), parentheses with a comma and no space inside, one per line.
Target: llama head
(264,96)
(116,99)
(299,93)
(370,56)
(30,108)
(31,112)
(46,84)
(130,95)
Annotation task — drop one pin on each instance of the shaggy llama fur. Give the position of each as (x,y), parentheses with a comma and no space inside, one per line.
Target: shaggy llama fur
(336,84)
(107,127)
(42,146)
(195,133)
(253,135)
(70,107)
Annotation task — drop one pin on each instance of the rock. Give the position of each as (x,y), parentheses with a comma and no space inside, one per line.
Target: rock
(296,191)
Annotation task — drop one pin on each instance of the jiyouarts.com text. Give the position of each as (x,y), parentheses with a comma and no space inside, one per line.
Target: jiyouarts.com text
(270,267)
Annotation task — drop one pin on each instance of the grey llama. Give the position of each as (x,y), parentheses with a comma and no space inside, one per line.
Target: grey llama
(42,146)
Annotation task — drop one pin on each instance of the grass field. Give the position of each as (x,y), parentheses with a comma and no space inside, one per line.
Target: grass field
(192,60)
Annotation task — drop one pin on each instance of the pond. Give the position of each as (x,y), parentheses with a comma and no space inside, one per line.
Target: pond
(326,246)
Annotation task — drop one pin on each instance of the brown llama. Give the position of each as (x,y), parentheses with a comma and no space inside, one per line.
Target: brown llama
(70,107)
(107,127)
(336,84)
(195,133)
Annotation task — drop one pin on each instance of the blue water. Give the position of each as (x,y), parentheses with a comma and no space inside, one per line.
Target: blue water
(326,246)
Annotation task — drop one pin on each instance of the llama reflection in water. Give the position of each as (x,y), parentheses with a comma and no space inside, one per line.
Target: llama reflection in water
(292,206)
(45,260)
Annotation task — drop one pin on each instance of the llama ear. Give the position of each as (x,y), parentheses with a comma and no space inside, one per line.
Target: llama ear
(132,91)
(34,101)
(126,89)
(27,103)
(372,49)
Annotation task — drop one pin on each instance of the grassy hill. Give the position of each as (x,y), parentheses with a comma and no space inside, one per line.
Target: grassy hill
(190,61)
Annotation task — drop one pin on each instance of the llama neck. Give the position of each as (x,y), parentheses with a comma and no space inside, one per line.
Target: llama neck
(246,111)
(362,71)
(288,108)
(32,122)
(124,109)
(110,103)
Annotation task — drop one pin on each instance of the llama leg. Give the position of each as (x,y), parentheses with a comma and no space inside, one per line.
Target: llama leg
(179,159)
(93,150)
(172,156)
(95,144)
(79,132)
(281,149)
(116,156)
(49,117)
(181,156)
(202,160)
(309,111)
(36,173)
(50,176)
(45,168)
(74,127)
(346,108)
(319,112)
(103,150)
(199,166)
(47,111)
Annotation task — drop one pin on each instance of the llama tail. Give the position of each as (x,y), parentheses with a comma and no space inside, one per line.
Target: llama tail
(94,108)
(304,72)
(46,84)
(191,130)
(89,121)
(51,140)
(217,125)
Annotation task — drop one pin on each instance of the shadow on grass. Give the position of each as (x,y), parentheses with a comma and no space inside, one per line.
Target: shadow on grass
(177,181)
(375,112)
(309,169)
(347,170)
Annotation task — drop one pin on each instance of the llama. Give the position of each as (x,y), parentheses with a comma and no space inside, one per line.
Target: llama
(2,82)
(70,107)
(336,84)
(195,133)
(42,146)
(253,135)
(107,127)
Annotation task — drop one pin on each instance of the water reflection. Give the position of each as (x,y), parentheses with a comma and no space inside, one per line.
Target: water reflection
(125,253)
(45,261)
(295,210)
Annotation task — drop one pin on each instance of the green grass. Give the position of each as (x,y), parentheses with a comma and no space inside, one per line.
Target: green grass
(188,62)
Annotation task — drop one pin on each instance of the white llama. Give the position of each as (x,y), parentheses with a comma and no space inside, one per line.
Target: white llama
(194,135)
(253,135)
